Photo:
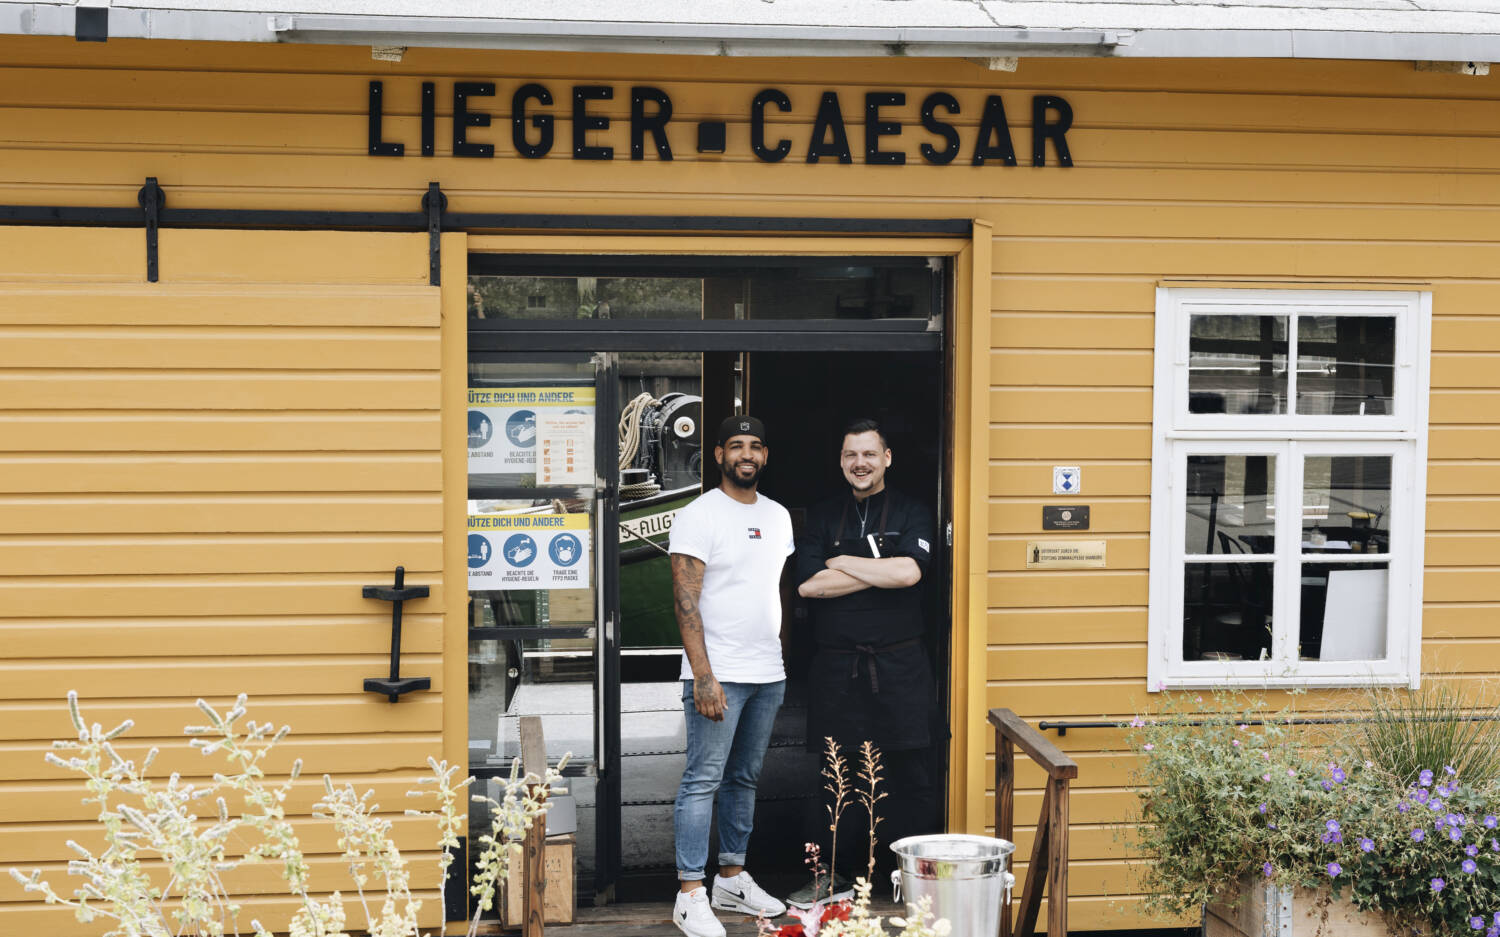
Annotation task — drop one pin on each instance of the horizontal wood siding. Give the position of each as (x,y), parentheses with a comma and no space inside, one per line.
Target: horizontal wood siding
(197,478)
(185,436)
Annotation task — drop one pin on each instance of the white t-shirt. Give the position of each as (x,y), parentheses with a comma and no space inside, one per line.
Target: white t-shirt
(743,547)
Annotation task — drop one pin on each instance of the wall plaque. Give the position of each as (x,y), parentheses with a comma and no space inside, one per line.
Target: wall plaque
(1065,554)
(1065,517)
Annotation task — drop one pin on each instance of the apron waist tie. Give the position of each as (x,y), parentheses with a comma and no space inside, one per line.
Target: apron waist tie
(867,653)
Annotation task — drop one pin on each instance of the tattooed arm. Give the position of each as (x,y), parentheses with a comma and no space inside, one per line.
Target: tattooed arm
(687,587)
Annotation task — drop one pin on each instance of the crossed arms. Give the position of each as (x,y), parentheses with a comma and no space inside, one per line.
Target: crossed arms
(844,575)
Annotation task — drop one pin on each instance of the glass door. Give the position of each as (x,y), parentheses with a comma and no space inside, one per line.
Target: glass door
(541,579)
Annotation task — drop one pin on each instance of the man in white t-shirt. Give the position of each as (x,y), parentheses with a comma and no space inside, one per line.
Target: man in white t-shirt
(728,548)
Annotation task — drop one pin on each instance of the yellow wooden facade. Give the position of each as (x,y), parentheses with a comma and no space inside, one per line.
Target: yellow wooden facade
(197,475)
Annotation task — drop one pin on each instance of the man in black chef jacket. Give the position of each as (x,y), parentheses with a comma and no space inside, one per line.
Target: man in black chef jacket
(860,562)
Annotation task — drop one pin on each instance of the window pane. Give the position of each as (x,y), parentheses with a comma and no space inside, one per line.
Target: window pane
(1237,364)
(1226,611)
(1346,365)
(1346,501)
(1231,504)
(1343,611)
(696,288)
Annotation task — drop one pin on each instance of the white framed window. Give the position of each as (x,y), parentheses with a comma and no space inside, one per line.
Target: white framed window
(1288,476)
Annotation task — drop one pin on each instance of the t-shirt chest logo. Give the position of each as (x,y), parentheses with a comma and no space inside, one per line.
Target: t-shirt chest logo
(754,532)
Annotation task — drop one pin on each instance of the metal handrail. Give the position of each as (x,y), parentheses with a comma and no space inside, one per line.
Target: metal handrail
(1049,847)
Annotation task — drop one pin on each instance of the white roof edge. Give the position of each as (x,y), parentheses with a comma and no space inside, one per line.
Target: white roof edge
(728,39)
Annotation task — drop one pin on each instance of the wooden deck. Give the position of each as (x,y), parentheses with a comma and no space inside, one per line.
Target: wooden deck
(654,919)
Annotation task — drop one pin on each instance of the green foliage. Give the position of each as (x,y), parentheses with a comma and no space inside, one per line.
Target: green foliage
(1435,725)
(1221,800)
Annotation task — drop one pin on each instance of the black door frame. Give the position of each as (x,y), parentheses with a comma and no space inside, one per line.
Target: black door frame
(497,337)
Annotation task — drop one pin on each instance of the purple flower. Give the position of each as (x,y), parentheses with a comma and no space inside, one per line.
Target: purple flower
(1438,885)
(1419,834)
(1403,807)
(1338,775)
(1291,772)
(1453,819)
(1493,931)
(1421,797)
(1148,746)
(1425,779)
(1449,770)
(1455,834)
(1471,850)
(1436,805)
(1265,777)
(1477,923)
(1261,808)
(1490,821)
(1327,785)
(1443,791)
(1367,844)
(1495,847)
(1332,826)
(1334,869)
(1137,723)
(1266,869)
(1470,866)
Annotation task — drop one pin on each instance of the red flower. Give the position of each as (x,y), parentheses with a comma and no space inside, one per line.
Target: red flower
(789,930)
(836,912)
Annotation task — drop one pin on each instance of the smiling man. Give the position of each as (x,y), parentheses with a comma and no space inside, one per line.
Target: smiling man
(860,562)
(728,548)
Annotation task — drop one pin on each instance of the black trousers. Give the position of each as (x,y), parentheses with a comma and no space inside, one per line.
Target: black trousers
(908,809)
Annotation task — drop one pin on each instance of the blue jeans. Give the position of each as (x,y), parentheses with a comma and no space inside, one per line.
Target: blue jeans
(723,759)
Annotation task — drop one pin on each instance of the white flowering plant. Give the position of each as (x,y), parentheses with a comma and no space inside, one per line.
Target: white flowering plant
(162,870)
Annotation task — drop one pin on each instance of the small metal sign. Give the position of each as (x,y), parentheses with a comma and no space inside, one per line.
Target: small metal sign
(1065,517)
(1067,479)
(1065,554)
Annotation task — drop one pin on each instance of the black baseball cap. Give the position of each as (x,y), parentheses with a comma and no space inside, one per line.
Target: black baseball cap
(740,426)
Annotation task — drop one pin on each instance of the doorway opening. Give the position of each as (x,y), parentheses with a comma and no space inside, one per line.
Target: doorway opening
(595,387)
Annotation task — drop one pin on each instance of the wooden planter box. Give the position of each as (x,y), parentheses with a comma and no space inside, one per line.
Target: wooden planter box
(1264,910)
(557,900)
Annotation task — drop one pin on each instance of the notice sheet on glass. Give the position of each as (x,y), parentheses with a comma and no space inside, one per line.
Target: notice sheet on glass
(548,431)
(528,551)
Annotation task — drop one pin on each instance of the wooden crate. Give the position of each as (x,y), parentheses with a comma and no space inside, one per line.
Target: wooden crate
(1264,910)
(557,901)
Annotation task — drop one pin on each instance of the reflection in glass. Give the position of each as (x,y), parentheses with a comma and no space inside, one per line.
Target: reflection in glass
(1344,611)
(1346,365)
(1237,364)
(1231,504)
(1227,611)
(686,288)
(1345,504)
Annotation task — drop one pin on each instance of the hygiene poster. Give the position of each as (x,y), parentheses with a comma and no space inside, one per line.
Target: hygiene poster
(529,551)
(546,431)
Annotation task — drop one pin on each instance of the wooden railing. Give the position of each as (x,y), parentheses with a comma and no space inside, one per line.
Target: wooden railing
(1049,848)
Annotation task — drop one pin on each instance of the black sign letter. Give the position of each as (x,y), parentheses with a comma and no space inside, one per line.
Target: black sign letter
(583,121)
(993,123)
(542,122)
(463,118)
(1041,131)
(758,126)
(379,147)
(929,120)
(656,124)
(829,119)
(875,128)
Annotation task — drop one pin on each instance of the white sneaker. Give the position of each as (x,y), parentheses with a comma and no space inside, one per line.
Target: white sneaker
(693,916)
(741,894)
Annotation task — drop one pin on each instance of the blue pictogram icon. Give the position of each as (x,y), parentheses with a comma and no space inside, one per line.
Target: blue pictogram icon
(479,550)
(520,429)
(565,549)
(520,550)
(480,429)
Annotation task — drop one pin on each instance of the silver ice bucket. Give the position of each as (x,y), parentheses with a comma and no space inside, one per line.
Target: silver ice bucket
(964,876)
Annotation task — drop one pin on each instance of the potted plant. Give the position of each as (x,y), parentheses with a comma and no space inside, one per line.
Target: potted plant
(1391,819)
